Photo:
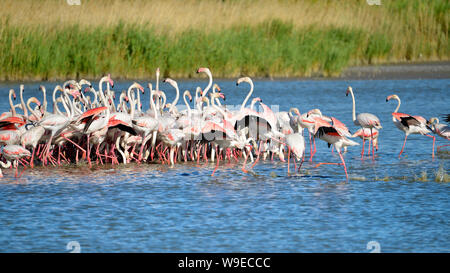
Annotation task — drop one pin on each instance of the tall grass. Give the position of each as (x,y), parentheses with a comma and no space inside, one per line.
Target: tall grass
(257,38)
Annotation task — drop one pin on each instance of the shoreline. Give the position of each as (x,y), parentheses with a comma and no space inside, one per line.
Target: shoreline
(393,71)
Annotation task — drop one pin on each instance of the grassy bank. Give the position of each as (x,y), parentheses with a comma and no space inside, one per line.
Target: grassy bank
(257,38)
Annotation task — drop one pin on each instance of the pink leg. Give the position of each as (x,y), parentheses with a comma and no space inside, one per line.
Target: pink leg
(373,146)
(362,151)
(88,152)
(434,139)
(406,136)
(343,162)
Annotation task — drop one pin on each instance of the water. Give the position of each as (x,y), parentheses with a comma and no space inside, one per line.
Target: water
(160,209)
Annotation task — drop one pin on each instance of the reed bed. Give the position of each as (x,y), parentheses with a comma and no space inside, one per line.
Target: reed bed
(129,39)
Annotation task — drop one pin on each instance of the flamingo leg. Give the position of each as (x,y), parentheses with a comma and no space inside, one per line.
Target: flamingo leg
(32,157)
(343,162)
(362,151)
(373,146)
(434,139)
(301,163)
(406,136)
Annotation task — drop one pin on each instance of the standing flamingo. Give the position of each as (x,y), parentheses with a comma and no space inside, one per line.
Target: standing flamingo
(441,130)
(328,133)
(15,153)
(409,124)
(365,120)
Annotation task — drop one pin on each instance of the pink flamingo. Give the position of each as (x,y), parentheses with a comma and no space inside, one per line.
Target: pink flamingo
(409,124)
(441,130)
(332,136)
(15,153)
(365,120)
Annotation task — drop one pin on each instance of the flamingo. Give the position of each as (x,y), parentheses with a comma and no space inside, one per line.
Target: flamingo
(366,134)
(409,124)
(15,153)
(441,130)
(364,120)
(296,145)
(325,131)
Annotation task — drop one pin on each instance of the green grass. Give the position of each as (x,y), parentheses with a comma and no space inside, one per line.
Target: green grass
(272,48)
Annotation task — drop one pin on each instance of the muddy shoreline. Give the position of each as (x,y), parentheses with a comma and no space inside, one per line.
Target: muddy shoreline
(401,71)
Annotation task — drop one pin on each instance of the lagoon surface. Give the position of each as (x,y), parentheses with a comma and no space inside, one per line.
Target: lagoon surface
(399,203)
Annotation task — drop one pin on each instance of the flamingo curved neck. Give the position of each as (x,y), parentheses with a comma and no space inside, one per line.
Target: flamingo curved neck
(354,106)
(197,103)
(216,98)
(152,103)
(22,102)
(131,99)
(398,105)
(209,83)
(174,102)
(55,103)
(248,96)
(13,109)
(44,101)
(187,104)
(29,101)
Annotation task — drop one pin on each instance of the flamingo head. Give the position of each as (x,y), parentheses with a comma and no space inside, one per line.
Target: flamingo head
(349,89)
(388,98)
(204,70)
(170,81)
(35,100)
(243,79)
(314,112)
(83,81)
(157,72)
(188,94)
(433,121)
(216,86)
(296,111)
(150,86)
(257,99)
(110,81)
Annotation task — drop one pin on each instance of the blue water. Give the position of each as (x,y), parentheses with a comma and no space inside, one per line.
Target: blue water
(155,208)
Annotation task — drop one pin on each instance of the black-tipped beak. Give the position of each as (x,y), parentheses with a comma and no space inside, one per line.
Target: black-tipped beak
(346,94)
(237,84)
(387,100)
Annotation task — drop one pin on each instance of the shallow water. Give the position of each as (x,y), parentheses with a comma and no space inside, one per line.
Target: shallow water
(160,209)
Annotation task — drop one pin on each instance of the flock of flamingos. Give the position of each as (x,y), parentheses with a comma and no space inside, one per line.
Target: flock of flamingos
(92,126)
